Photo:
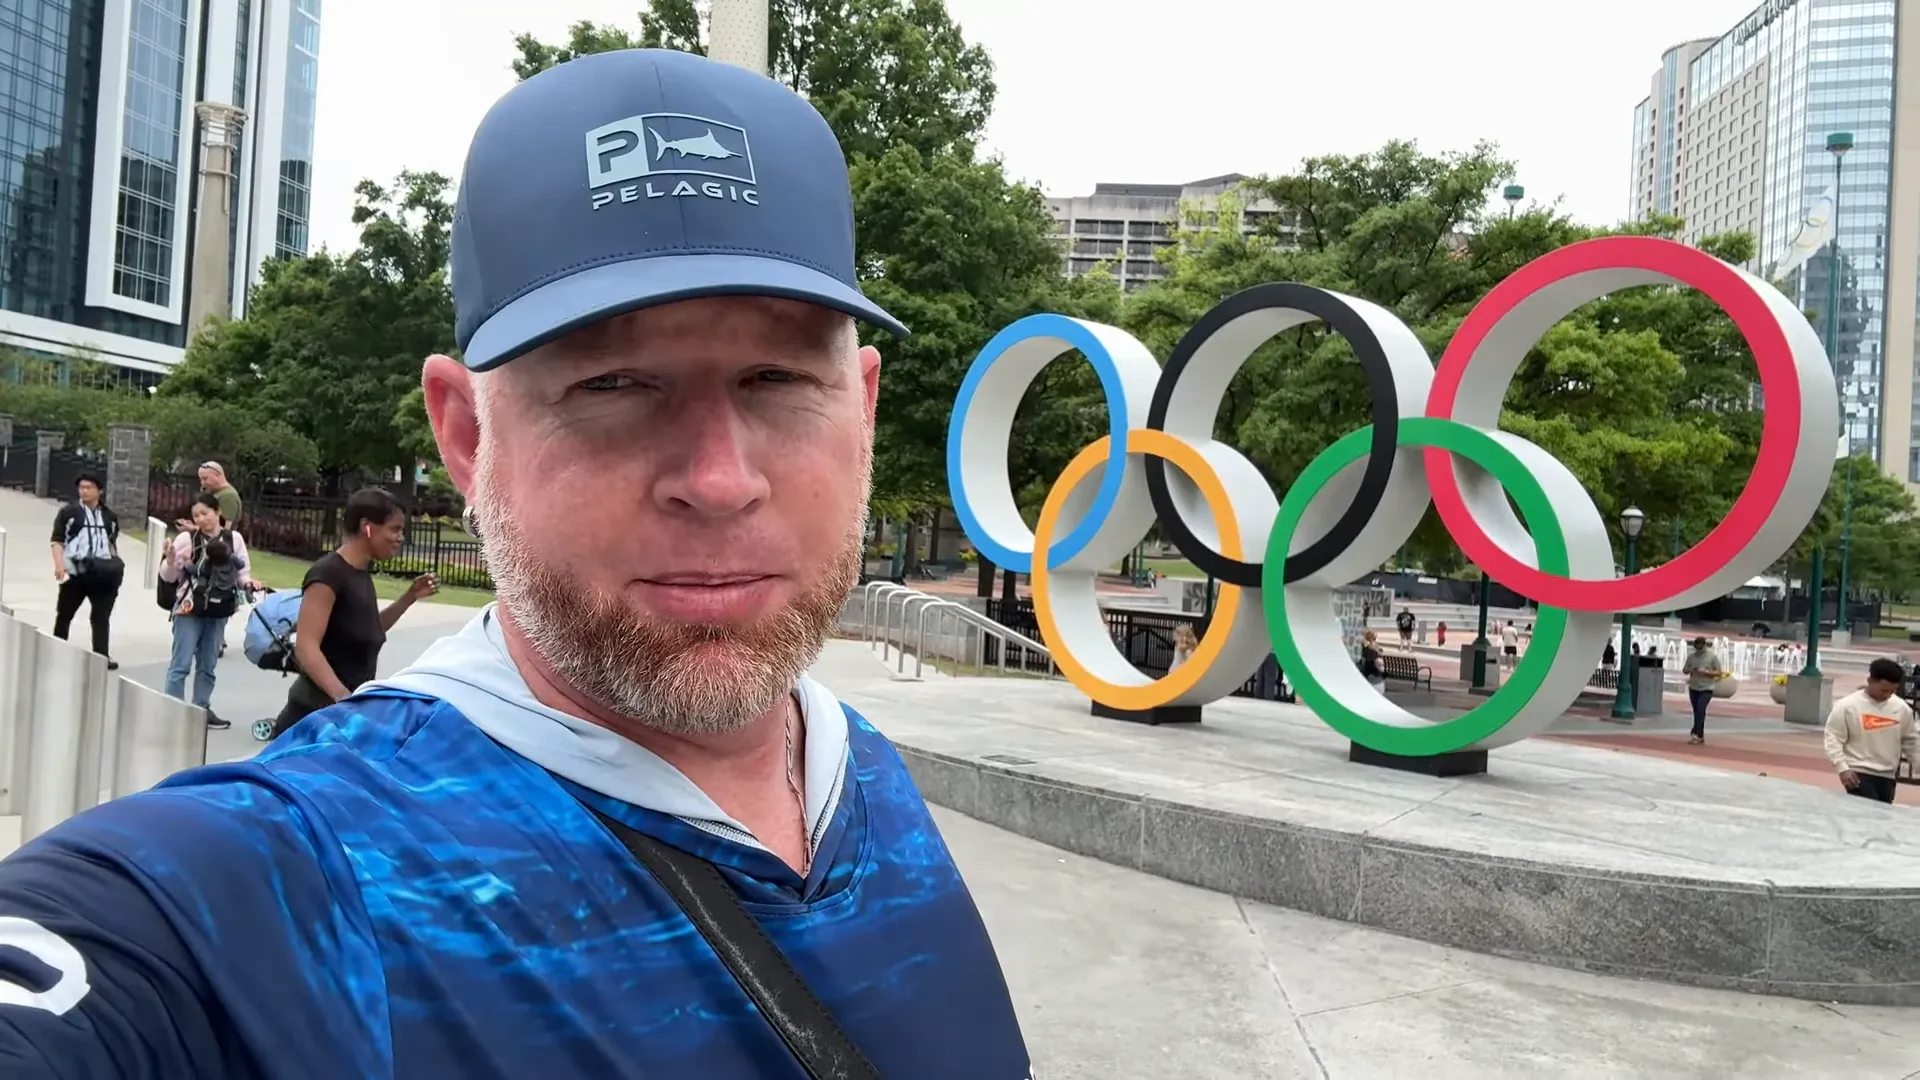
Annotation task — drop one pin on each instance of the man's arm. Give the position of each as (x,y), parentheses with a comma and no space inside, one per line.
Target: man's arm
(1910,741)
(184,933)
(59,542)
(1835,742)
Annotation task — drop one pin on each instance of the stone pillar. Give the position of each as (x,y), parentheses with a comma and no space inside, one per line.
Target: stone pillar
(46,442)
(212,287)
(129,470)
(737,33)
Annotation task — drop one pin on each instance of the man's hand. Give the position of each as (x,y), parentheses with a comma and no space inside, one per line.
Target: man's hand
(423,586)
(1849,779)
(60,574)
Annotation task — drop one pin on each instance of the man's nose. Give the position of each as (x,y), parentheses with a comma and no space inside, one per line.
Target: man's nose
(710,467)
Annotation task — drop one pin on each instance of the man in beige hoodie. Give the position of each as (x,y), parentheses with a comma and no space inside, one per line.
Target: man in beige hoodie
(1869,731)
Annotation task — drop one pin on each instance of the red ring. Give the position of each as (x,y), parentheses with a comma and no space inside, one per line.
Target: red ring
(1779,436)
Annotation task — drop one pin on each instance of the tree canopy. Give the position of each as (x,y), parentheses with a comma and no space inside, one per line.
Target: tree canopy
(331,343)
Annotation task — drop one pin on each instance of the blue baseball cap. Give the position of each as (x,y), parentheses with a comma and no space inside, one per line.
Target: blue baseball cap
(622,180)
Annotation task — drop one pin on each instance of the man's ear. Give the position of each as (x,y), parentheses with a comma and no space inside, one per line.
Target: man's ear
(870,379)
(453,407)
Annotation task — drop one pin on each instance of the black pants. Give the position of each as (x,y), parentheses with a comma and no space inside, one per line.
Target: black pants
(1699,699)
(98,593)
(303,699)
(1880,788)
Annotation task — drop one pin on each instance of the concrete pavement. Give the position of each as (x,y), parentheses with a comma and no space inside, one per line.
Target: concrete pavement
(1121,976)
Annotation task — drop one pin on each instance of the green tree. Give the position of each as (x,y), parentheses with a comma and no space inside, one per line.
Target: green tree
(946,241)
(1647,396)
(884,73)
(331,344)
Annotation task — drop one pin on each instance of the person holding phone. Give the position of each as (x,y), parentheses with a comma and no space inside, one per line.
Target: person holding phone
(342,625)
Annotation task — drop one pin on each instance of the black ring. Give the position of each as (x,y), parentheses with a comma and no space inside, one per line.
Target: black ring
(1346,322)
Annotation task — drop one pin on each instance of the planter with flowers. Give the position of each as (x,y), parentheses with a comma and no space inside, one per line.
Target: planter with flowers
(1778,690)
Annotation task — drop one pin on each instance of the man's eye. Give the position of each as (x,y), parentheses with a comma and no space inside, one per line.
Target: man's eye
(606,382)
(777,376)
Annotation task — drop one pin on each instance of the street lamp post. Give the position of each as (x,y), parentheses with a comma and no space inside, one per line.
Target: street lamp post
(1631,522)
(1481,644)
(1838,143)
(1513,194)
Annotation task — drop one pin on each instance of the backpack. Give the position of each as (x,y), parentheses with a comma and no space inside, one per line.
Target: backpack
(270,630)
(215,575)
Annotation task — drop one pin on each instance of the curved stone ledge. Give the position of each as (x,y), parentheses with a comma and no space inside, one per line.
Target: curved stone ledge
(1847,945)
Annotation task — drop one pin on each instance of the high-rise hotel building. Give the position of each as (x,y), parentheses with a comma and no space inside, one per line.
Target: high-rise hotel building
(1734,136)
(99,160)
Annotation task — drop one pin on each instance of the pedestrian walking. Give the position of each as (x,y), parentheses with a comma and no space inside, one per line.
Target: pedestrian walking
(1869,731)
(87,564)
(207,569)
(342,626)
(1703,670)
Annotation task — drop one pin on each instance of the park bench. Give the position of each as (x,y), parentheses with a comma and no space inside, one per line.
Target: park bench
(1407,669)
(942,569)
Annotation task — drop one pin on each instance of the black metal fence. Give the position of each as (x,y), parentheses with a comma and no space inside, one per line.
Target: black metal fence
(66,467)
(17,463)
(1144,638)
(298,522)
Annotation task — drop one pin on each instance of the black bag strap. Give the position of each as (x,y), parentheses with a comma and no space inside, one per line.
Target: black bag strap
(811,1033)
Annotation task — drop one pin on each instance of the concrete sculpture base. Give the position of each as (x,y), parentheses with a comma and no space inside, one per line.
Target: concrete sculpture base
(1458,763)
(1165,714)
(1567,855)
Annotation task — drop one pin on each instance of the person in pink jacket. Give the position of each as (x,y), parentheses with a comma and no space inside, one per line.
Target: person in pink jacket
(207,569)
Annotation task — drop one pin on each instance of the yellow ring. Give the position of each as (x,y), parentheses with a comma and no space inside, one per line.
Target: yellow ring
(1160,691)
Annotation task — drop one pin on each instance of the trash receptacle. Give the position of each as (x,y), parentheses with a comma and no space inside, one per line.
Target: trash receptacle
(1649,686)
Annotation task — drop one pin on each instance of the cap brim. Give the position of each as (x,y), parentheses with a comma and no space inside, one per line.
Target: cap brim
(560,307)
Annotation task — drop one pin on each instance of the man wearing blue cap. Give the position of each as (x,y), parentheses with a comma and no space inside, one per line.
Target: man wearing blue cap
(610,829)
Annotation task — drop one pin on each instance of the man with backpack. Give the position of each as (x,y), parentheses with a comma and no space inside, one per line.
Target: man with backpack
(200,584)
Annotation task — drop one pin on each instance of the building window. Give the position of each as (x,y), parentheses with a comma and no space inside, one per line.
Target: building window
(150,152)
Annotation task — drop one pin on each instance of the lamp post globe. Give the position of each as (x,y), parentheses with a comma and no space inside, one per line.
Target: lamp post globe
(1632,520)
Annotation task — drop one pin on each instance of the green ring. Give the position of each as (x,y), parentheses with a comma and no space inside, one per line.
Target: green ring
(1550,541)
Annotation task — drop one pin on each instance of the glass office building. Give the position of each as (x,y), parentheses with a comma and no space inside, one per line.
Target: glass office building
(98,161)
(1751,154)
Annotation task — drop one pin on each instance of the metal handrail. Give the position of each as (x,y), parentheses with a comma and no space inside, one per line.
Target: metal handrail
(878,625)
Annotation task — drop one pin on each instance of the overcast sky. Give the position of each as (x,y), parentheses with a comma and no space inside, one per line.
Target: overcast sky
(1086,95)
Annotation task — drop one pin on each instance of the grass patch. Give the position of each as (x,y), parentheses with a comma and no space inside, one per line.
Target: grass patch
(281,572)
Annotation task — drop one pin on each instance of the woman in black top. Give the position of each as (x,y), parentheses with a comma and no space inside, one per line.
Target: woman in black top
(86,563)
(342,626)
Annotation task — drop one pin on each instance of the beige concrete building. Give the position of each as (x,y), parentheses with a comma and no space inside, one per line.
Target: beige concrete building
(1734,135)
(1124,226)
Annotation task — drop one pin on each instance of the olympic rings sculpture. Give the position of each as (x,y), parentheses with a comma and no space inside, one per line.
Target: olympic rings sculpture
(1434,438)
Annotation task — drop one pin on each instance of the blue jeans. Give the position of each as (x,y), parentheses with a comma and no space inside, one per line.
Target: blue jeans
(196,645)
(1698,699)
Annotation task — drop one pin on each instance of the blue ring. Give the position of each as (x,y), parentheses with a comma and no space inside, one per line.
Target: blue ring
(1078,336)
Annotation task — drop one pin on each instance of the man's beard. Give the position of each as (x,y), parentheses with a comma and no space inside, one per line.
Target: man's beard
(673,677)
